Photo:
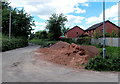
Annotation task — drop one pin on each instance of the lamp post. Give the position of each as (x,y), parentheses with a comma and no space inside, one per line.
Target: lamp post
(10,23)
(104,50)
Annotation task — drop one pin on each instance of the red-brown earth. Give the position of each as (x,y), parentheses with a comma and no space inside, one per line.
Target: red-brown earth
(71,55)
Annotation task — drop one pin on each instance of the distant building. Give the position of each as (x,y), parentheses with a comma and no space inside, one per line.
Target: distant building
(74,32)
(98,28)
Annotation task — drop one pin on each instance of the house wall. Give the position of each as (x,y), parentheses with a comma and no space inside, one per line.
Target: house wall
(73,33)
(108,28)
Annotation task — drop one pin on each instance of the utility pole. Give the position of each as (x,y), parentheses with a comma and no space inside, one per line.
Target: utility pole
(104,50)
(10,24)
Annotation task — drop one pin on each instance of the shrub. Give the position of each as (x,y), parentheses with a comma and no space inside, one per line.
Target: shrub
(110,63)
(9,44)
(113,34)
(43,43)
(68,40)
(83,40)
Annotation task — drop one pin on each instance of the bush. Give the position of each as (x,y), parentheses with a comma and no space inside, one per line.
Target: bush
(68,40)
(83,40)
(80,40)
(110,63)
(43,43)
(9,44)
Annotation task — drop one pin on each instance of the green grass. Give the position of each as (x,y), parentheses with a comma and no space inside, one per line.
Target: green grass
(43,43)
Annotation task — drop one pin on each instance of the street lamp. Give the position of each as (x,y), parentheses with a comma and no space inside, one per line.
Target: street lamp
(104,50)
(10,23)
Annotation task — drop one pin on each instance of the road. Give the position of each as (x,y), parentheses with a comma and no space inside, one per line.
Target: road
(21,65)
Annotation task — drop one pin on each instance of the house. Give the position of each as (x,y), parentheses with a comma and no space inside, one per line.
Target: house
(74,32)
(98,28)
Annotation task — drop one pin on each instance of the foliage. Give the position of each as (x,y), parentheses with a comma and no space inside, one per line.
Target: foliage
(50,36)
(83,40)
(13,43)
(21,22)
(113,34)
(68,40)
(110,63)
(107,34)
(64,29)
(31,36)
(54,25)
(80,40)
(41,35)
(43,43)
(97,34)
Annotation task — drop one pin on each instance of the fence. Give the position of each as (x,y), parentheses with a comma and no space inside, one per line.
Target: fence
(108,41)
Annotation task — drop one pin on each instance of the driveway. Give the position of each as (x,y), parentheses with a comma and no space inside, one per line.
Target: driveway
(22,65)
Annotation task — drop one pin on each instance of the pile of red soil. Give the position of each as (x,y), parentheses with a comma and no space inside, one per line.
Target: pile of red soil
(69,54)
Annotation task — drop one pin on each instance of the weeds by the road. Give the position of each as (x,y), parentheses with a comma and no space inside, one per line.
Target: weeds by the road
(110,63)
(43,43)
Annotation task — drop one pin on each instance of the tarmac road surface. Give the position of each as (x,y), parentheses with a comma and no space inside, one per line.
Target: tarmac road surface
(21,65)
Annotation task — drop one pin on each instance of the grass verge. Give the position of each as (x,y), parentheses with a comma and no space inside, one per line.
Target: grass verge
(110,63)
(43,43)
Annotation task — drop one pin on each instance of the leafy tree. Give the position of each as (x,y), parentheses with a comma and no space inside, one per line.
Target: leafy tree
(21,22)
(37,34)
(41,35)
(64,29)
(31,36)
(107,34)
(96,34)
(113,34)
(54,25)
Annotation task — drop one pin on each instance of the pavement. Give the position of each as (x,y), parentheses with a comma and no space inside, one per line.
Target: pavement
(23,65)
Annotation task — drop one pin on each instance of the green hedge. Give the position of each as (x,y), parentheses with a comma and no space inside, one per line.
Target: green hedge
(110,63)
(9,44)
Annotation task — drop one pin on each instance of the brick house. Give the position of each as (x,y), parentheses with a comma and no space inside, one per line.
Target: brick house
(98,28)
(74,32)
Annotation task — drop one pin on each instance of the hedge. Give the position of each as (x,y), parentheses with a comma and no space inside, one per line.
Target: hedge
(9,44)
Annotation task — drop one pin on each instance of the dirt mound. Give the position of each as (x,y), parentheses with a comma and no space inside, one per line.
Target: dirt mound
(69,54)
(60,45)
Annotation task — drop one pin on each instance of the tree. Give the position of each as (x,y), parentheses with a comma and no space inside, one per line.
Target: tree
(21,22)
(54,25)
(97,34)
(41,35)
(64,29)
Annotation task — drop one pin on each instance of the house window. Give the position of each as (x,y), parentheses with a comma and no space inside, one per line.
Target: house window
(76,32)
(102,30)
